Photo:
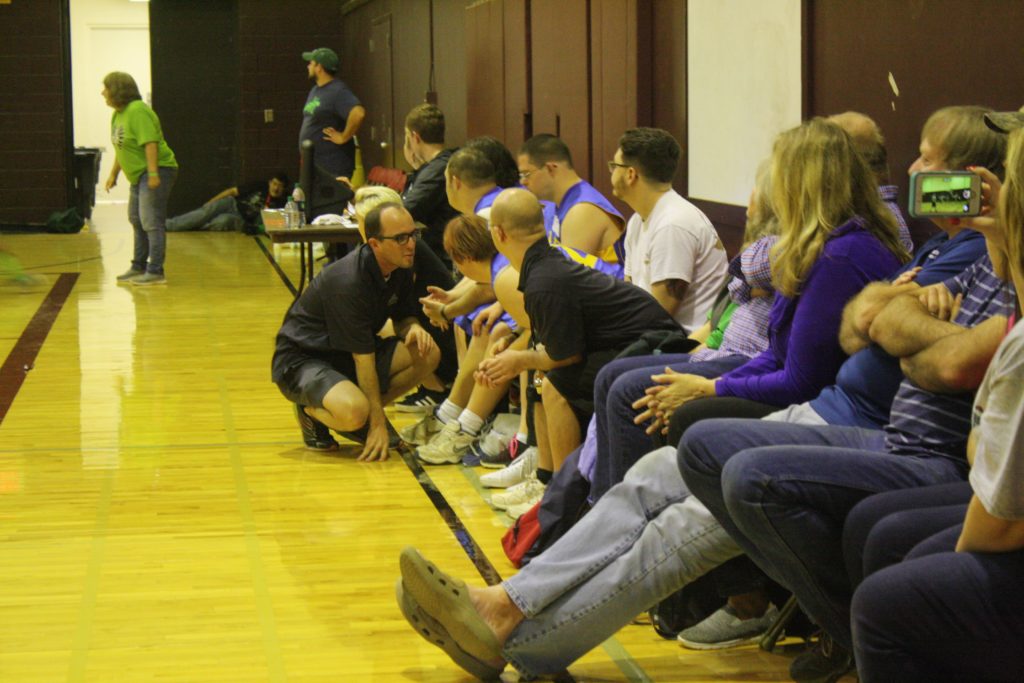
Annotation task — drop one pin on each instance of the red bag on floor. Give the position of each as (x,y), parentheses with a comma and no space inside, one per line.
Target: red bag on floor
(521,536)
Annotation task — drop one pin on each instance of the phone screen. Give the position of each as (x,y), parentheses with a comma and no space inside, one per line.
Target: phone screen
(945,195)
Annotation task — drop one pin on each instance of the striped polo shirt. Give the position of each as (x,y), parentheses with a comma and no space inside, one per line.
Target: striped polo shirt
(927,423)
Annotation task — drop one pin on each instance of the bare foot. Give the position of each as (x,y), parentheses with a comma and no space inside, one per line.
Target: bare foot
(496,608)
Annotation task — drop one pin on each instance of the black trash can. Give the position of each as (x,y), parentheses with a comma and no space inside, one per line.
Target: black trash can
(86,172)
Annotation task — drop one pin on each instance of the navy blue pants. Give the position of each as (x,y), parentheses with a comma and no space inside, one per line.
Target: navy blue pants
(940,615)
(881,529)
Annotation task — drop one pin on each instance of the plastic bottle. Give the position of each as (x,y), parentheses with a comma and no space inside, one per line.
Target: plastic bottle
(299,197)
(291,214)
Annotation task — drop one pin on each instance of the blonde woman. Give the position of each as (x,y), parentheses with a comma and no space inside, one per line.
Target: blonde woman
(149,164)
(836,236)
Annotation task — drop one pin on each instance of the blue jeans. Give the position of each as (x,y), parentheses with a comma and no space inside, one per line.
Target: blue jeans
(219,216)
(783,492)
(642,542)
(941,615)
(147,212)
(620,443)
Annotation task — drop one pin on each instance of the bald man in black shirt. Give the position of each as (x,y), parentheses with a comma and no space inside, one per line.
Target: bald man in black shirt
(328,358)
(581,319)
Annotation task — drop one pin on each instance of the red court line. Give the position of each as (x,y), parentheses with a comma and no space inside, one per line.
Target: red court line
(22,357)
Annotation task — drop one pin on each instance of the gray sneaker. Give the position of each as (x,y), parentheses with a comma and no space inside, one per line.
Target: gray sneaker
(149,279)
(724,629)
(130,274)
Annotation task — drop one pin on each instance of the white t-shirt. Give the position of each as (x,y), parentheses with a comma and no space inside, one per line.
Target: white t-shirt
(677,242)
(997,475)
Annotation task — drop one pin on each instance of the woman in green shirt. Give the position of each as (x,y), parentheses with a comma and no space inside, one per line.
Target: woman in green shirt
(149,164)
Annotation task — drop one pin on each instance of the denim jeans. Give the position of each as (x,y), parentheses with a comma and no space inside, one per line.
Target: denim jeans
(643,541)
(218,216)
(147,212)
(783,492)
(875,532)
(620,443)
(941,615)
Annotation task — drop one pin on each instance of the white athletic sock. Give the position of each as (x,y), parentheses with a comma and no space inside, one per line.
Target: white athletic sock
(470,422)
(447,412)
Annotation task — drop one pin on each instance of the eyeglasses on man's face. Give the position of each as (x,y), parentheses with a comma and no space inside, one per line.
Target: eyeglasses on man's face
(525,175)
(403,237)
(612,165)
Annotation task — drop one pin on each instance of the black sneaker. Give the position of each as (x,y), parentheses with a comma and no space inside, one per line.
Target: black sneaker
(826,662)
(422,400)
(505,456)
(315,433)
(359,435)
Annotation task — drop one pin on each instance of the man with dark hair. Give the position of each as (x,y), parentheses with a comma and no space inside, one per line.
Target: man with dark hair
(236,208)
(470,182)
(425,197)
(328,358)
(672,250)
(585,219)
(332,115)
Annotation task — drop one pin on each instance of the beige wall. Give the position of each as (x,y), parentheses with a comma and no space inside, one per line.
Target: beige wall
(744,86)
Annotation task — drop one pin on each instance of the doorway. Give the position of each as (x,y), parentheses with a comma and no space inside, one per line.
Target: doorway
(106,35)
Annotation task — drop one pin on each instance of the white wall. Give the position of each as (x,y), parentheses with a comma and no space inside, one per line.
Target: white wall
(744,87)
(106,35)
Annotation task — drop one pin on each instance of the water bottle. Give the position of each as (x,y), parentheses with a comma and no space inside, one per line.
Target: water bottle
(291,214)
(299,197)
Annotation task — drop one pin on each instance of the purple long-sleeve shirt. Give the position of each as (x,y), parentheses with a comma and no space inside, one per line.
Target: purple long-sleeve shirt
(803,353)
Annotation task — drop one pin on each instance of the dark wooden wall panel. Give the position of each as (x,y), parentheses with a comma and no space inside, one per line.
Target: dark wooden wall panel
(272,75)
(35,135)
(485,69)
(195,66)
(620,86)
(940,52)
(450,67)
(517,77)
(666,71)
(560,70)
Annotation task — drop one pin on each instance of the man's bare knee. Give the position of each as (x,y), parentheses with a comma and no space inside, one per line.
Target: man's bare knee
(348,407)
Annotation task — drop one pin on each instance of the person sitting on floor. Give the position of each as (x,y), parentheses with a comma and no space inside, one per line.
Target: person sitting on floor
(236,208)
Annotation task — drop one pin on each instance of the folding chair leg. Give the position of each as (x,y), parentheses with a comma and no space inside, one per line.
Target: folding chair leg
(774,634)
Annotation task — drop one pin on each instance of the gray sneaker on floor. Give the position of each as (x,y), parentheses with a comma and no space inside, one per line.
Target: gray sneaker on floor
(724,629)
(130,274)
(149,279)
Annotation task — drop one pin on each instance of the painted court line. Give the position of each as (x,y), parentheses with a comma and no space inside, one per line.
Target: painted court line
(22,357)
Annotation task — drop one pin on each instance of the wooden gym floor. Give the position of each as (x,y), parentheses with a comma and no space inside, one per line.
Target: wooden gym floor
(160,519)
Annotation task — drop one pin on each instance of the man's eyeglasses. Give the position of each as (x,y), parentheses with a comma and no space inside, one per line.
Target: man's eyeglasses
(524,175)
(612,165)
(402,238)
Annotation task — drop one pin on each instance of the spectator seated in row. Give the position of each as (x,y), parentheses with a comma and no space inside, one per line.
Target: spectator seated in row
(645,538)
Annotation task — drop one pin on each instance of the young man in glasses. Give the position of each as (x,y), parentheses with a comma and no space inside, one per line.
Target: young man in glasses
(672,250)
(585,219)
(329,360)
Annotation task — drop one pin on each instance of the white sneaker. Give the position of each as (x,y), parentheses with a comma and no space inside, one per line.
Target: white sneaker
(447,447)
(517,471)
(529,490)
(517,511)
(423,431)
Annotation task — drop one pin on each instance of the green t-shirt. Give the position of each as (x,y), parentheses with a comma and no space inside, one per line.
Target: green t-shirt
(130,130)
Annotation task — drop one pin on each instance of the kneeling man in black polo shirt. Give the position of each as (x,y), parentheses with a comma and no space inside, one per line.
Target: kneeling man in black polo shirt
(580,318)
(330,361)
